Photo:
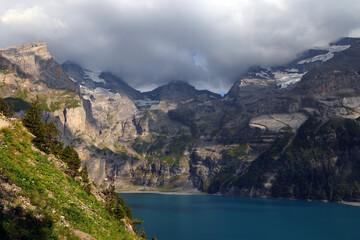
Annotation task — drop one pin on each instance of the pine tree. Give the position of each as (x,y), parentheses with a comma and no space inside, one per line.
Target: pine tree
(33,122)
(84,175)
(71,157)
(85,178)
(6,108)
(52,143)
(142,233)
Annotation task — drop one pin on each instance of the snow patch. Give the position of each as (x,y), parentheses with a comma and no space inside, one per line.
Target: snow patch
(146,103)
(325,57)
(285,79)
(262,74)
(94,76)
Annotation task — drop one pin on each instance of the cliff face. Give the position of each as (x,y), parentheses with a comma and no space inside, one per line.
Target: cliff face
(34,59)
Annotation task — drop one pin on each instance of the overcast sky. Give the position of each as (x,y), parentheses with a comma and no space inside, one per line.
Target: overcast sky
(205,42)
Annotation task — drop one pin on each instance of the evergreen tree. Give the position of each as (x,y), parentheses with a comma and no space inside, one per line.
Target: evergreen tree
(33,122)
(85,177)
(52,143)
(71,157)
(6,108)
(142,233)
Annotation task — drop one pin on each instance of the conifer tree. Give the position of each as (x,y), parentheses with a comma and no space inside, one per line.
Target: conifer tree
(6,108)
(71,157)
(33,122)
(52,143)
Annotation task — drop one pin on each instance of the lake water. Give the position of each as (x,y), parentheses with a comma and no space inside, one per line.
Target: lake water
(175,217)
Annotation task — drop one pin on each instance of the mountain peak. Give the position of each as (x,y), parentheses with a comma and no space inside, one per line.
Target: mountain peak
(176,91)
(38,48)
(345,41)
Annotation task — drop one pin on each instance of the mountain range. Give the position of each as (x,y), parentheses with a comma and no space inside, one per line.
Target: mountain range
(287,131)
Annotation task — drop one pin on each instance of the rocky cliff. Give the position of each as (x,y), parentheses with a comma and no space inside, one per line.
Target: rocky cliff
(178,137)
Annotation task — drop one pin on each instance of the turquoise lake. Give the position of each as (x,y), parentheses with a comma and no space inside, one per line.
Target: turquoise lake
(175,217)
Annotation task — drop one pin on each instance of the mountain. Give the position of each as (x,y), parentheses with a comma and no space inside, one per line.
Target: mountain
(34,60)
(273,121)
(104,80)
(337,76)
(177,91)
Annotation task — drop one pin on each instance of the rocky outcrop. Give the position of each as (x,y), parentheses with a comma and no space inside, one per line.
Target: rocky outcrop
(34,59)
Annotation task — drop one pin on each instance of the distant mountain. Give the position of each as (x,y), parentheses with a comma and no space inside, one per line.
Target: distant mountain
(104,80)
(177,91)
(281,77)
(338,76)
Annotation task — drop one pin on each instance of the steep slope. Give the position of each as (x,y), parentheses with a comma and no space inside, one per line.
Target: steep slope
(39,201)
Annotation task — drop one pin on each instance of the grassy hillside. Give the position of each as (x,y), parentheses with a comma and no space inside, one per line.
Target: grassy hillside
(39,201)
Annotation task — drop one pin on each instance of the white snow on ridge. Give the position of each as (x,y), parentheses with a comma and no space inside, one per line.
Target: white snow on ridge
(285,79)
(146,103)
(94,76)
(324,57)
(262,74)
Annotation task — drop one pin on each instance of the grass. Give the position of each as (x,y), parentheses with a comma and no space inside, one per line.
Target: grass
(22,93)
(63,99)
(52,192)
(240,150)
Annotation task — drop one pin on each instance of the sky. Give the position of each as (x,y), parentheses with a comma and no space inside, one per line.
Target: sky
(208,43)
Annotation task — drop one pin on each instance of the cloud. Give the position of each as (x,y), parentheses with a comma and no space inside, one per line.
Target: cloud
(32,21)
(150,42)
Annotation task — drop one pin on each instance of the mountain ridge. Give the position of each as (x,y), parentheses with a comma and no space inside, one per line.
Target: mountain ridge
(176,137)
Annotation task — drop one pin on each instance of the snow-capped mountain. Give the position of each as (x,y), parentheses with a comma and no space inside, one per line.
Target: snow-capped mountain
(287,75)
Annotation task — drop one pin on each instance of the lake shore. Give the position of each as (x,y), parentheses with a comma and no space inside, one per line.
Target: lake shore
(166,193)
(196,192)
(354,204)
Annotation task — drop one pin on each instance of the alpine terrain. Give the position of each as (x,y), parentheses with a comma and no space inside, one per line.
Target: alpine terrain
(289,131)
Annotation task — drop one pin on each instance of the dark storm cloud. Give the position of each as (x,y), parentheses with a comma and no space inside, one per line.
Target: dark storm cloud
(149,42)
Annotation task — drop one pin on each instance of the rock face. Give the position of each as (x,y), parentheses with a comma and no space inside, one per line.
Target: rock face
(34,59)
(178,137)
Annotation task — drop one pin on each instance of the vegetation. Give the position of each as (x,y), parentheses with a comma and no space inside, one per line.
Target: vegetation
(48,203)
(18,223)
(22,93)
(6,109)
(223,178)
(46,138)
(240,150)
(322,162)
(256,174)
(65,99)
(18,104)
(115,205)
